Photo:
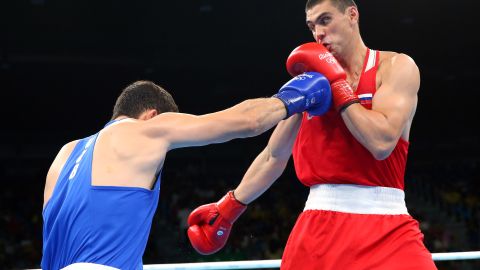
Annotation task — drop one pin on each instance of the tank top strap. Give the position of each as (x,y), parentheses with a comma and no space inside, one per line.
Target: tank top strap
(81,169)
(367,85)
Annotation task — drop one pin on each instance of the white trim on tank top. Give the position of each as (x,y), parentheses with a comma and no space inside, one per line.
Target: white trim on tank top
(88,266)
(371,60)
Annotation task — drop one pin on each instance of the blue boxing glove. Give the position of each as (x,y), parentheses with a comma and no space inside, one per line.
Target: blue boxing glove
(309,92)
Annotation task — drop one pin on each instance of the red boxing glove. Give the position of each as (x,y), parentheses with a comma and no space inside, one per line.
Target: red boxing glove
(315,57)
(210,224)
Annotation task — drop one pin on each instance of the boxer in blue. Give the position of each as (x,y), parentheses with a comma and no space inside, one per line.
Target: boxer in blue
(101,192)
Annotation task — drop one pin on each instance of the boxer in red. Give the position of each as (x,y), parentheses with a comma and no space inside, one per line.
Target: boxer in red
(353,158)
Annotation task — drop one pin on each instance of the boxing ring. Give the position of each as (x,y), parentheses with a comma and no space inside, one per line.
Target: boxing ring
(264,264)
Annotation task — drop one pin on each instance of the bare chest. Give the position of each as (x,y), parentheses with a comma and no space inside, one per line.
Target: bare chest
(354,80)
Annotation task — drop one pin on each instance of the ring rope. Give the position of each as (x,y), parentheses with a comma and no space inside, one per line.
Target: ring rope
(262,264)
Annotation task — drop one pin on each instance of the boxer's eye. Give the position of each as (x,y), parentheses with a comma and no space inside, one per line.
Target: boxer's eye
(324,21)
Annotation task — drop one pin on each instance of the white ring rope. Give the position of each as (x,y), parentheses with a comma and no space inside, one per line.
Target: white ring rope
(261,264)
(453,256)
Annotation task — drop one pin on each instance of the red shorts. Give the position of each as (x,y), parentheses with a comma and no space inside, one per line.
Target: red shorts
(334,240)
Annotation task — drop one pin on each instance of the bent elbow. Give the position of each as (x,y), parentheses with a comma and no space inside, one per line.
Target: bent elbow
(381,152)
(381,155)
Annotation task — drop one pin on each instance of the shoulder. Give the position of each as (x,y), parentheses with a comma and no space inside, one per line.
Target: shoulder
(398,68)
(162,125)
(63,155)
(56,168)
(389,60)
(68,147)
(134,136)
(64,152)
(157,131)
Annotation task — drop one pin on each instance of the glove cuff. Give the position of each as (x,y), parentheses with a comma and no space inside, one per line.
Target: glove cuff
(230,208)
(343,95)
(293,102)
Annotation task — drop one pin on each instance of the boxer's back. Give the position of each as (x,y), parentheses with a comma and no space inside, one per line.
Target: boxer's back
(124,156)
(102,224)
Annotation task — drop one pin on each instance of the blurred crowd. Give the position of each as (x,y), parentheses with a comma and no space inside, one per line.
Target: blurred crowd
(442,195)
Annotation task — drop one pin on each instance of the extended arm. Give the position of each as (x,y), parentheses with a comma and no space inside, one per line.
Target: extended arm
(306,92)
(270,163)
(210,224)
(247,119)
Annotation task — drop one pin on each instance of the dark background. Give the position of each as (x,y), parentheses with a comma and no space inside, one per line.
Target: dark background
(63,63)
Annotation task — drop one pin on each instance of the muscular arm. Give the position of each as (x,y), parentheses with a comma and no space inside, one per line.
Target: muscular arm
(393,107)
(247,119)
(271,162)
(210,224)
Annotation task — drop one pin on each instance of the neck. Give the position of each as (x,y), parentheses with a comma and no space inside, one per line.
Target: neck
(121,117)
(353,56)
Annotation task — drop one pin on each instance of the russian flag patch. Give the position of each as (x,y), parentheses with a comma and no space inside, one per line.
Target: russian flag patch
(365,98)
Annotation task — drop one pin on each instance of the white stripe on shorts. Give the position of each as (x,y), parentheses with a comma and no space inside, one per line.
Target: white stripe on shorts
(88,266)
(357,199)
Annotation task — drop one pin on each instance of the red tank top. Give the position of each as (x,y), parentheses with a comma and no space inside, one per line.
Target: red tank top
(325,152)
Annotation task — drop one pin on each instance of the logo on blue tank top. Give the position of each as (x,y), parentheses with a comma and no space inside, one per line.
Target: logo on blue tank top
(77,162)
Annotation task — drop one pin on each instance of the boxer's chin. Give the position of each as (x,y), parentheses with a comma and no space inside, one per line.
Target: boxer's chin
(334,50)
(329,47)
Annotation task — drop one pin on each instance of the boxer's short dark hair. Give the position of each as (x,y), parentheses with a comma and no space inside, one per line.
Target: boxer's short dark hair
(141,96)
(341,5)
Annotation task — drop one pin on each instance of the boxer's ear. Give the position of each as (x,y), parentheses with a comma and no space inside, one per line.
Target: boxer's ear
(352,13)
(148,114)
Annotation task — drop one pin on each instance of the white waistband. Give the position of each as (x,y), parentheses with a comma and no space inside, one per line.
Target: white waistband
(357,199)
(88,266)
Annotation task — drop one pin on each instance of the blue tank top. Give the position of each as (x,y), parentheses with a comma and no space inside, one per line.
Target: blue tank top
(106,225)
